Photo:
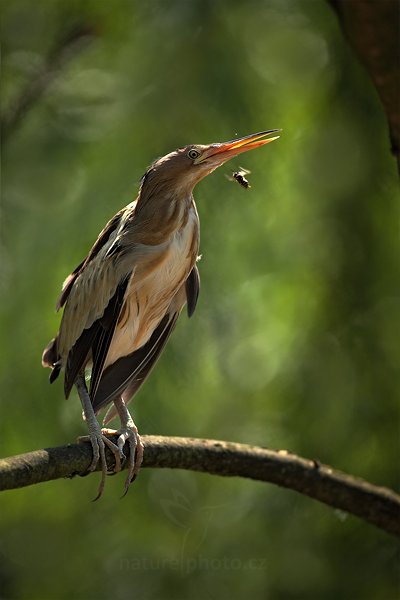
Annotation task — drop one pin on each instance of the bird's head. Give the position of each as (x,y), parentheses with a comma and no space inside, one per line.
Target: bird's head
(182,169)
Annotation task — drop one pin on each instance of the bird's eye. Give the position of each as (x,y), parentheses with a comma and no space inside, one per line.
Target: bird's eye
(193,153)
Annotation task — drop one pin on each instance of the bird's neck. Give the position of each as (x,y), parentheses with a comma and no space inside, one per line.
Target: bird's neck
(160,216)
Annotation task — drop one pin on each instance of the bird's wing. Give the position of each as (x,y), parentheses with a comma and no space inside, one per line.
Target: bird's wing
(93,296)
(89,289)
(90,295)
(95,341)
(126,375)
(104,236)
(104,335)
(94,306)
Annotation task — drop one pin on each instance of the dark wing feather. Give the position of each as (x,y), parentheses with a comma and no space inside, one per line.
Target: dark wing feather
(97,246)
(78,356)
(128,373)
(103,339)
(94,341)
(192,287)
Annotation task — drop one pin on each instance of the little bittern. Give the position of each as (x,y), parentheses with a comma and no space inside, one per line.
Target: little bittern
(122,302)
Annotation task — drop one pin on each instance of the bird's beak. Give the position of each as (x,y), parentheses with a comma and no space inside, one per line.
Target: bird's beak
(222,152)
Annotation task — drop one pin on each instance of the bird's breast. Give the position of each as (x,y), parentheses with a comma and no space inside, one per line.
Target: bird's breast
(152,288)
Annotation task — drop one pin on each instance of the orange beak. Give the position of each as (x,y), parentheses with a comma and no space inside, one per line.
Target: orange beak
(224,151)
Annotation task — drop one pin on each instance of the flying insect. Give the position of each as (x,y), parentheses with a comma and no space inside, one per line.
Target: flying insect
(239,176)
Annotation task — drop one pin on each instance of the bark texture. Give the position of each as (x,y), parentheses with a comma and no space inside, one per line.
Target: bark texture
(377,505)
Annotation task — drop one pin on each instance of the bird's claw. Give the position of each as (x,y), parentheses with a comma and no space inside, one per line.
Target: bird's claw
(99,441)
(131,435)
(99,455)
(118,454)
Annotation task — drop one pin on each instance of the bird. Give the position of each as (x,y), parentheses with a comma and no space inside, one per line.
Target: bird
(121,303)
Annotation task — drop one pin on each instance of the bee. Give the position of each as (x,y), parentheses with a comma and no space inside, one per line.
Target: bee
(239,176)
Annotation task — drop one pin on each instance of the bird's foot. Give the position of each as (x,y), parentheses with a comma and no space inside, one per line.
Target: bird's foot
(95,437)
(129,433)
(119,456)
(99,441)
(117,451)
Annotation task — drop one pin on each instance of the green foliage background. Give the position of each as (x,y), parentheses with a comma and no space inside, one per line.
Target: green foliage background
(294,343)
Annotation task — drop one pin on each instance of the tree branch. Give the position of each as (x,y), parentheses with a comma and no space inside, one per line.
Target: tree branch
(372,29)
(74,41)
(377,505)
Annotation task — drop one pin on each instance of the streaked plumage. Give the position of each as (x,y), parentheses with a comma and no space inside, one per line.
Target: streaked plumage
(122,302)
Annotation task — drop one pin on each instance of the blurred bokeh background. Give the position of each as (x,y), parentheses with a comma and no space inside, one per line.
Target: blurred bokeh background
(295,341)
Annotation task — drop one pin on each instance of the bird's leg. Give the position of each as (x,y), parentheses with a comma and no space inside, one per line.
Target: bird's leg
(96,437)
(129,433)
